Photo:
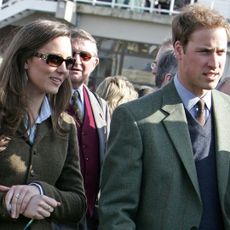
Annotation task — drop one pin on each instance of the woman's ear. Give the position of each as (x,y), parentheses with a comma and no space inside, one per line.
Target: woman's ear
(26,65)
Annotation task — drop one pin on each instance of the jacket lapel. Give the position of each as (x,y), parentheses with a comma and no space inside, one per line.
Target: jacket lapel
(97,111)
(176,125)
(100,121)
(221,108)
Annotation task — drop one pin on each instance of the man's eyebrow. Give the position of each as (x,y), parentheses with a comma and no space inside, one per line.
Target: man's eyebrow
(210,49)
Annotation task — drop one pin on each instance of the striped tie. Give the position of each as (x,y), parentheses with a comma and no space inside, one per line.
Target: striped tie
(77,111)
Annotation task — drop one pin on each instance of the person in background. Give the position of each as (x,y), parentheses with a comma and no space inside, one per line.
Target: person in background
(40,179)
(144,90)
(166,68)
(224,85)
(168,160)
(92,118)
(166,45)
(116,90)
(163,5)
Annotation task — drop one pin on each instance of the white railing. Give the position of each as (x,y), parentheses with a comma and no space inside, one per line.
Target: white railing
(131,5)
(223,6)
(136,5)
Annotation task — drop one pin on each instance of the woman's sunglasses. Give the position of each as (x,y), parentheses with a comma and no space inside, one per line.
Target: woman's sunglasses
(55,60)
(85,56)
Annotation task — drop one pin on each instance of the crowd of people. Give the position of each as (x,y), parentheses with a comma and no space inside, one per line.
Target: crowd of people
(122,157)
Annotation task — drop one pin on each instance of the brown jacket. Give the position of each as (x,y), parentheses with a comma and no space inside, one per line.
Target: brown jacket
(53,162)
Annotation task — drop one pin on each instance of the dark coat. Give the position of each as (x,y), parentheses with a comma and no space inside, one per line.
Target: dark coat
(149,178)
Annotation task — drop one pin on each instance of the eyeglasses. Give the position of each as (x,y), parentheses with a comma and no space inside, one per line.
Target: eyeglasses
(55,60)
(153,65)
(85,56)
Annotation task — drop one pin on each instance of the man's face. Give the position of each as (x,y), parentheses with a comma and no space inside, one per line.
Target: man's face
(201,62)
(161,51)
(163,48)
(82,69)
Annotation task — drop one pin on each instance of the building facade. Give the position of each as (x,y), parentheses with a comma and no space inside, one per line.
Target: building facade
(128,32)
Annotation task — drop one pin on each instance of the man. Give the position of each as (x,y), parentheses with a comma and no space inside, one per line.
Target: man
(92,119)
(166,45)
(224,85)
(166,68)
(164,170)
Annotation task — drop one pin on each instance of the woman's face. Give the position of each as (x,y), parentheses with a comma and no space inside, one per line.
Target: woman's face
(46,78)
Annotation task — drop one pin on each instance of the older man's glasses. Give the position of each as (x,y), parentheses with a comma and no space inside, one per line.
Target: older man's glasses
(85,56)
(55,60)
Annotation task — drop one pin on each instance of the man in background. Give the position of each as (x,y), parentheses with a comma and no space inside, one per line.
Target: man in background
(166,68)
(92,119)
(224,85)
(166,45)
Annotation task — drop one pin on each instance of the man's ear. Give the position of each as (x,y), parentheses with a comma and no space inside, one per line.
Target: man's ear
(178,49)
(96,61)
(167,78)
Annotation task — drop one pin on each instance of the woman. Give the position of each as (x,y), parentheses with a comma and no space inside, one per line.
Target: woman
(39,164)
(116,90)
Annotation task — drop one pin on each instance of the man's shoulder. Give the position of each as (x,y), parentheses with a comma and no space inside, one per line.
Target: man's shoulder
(143,106)
(152,103)
(219,94)
(92,94)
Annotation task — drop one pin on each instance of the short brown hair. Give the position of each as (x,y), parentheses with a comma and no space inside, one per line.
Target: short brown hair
(194,17)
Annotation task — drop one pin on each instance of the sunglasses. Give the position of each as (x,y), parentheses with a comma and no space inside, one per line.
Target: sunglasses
(85,56)
(55,60)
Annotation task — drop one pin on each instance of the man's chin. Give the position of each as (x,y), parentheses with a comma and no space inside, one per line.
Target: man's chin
(76,82)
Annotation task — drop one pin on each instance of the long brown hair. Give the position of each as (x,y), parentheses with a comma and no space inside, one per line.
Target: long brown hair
(13,78)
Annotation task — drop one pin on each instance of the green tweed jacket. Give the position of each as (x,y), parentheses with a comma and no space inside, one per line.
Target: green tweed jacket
(149,179)
(53,162)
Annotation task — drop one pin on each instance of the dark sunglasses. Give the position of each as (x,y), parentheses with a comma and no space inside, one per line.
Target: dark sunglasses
(85,56)
(55,60)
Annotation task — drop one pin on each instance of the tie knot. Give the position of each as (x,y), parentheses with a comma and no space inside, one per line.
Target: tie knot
(76,95)
(201,105)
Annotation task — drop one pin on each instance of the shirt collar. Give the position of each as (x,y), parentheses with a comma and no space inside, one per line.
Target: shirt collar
(45,111)
(188,98)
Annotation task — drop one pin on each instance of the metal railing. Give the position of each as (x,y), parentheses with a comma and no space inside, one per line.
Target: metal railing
(173,7)
(131,5)
(141,5)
